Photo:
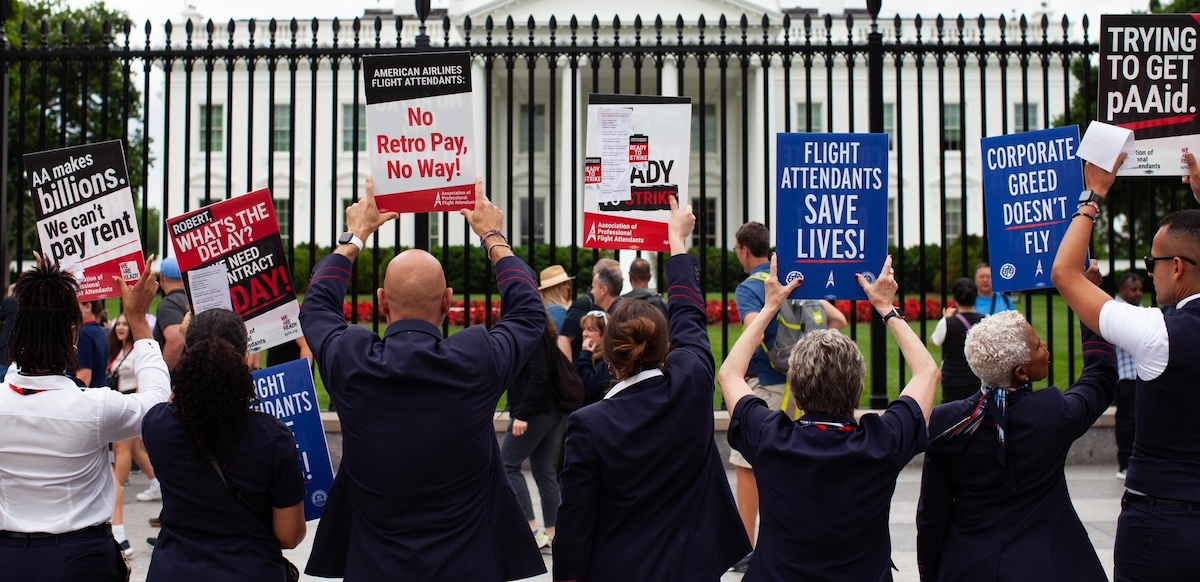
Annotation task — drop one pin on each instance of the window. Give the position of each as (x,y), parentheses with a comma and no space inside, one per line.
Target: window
(353,137)
(1025,117)
(212,128)
(889,124)
(953,212)
(709,140)
(818,118)
(951,130)
(435,229)
(281,132)
(285,220)
(538,228)
(708,219)
(539,129)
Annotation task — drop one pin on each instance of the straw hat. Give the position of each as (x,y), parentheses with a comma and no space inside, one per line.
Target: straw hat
(553,275)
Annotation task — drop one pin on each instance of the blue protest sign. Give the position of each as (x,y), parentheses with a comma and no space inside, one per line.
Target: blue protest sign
(287,392)
(1031,186)
(831,201)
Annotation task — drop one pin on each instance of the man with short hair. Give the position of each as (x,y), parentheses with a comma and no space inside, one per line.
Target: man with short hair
(1129,291)
(639,279)
(171,311)
(92,346)
(987,301)
(422,493)
(570,337)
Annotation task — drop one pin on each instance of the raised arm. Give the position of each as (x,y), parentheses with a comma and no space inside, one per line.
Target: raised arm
(688,323)
(925,373)
(1084,298)
(732,376)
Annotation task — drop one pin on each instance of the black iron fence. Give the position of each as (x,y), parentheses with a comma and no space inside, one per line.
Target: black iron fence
(211,110)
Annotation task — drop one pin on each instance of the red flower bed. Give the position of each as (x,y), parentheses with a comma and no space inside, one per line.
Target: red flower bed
(716,313)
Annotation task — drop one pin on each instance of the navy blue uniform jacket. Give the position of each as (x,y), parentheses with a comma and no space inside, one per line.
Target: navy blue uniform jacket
(644,492)
(971,526)
(421,493)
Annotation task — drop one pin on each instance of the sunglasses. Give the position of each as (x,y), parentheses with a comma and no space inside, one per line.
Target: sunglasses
(598,313)
(1149,260)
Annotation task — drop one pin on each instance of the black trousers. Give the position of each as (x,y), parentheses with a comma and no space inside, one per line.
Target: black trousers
(1125,421)
(1157,542)
(87,554)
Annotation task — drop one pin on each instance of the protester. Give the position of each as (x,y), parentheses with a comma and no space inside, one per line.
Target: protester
(988,302)
(92,346)
(122,377)
(289,351)
(233,492)
(422,492)
(644,491)
(1160,511)
(958,381)
(826,481)
(639,280)
(57,497)
(591,365)
(556,294)
(994,499)
(1129,290)
(171,311)
(535,431)
(570,337)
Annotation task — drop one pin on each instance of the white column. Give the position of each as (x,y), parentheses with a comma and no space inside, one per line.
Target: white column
(760,183)
(568,134)
(670,77)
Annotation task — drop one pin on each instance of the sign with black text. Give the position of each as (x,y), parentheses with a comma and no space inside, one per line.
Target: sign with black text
(243,233)
(1031,186)
(86,221)
(287,392)
(1148,84)
(832,211)
(421,131)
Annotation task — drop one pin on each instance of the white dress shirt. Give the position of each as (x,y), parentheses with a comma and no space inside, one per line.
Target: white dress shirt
(55,475)
(1141,331)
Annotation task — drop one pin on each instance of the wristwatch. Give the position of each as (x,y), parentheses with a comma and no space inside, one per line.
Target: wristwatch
(895,312)
(349,238)
(1090,197)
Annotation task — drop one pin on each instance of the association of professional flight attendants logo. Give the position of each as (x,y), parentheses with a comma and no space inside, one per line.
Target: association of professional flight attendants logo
(1008,271)
(591,236)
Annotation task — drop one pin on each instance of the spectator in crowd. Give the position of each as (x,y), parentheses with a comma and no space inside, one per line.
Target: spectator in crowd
(535,431)
(826,480)
(1129,291)
(570,337)
(171,311)
(644,490)
(234,492)
(289,351)
(1160,511)
(92,346)
(591,365)
(988,302)
(958,381)
(122,377)
(639,279)
(8,316)
(994,500)
(416,396)
(556,294)
(57,497)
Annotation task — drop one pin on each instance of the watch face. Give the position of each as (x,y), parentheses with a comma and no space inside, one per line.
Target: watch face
(1086,196)
(345,238)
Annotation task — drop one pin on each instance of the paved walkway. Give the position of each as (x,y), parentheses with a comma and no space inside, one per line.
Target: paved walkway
(1095,492)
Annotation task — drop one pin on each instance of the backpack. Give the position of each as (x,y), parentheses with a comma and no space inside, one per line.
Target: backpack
(796,318)
(566,383)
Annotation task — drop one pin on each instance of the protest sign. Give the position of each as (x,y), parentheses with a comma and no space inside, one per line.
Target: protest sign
(1031,186)
(832,211)
(1148,67)
(637,156)
(286,391)
(85,216)
(243,233)
(421,131)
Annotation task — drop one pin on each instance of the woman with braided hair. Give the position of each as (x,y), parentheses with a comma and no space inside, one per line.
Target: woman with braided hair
(232,488)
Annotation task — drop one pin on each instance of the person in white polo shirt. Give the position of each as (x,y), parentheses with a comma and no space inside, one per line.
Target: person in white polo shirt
(56,487)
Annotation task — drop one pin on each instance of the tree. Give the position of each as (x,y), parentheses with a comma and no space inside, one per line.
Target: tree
(57,102)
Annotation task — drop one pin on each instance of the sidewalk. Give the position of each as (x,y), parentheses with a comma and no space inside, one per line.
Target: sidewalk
(1095,492)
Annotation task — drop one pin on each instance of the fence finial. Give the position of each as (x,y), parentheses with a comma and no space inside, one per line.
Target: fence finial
(423,7)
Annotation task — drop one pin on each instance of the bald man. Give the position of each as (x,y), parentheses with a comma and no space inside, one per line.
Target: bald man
(422,492)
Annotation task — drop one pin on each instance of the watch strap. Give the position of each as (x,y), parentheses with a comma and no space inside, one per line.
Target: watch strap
(352,239)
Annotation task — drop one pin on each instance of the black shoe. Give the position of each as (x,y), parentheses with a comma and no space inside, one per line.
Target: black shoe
(152,541)
(743,564)
(154,522)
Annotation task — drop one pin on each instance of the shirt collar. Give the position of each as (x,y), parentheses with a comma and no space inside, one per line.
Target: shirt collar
(50,382)
(623,384)
(1186,300)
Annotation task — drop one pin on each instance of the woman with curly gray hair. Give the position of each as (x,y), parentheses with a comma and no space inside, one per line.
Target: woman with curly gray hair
(994,501)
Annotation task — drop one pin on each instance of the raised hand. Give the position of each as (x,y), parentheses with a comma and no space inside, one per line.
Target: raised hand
(485,217)
(881,291)
(363,217)
(776,292)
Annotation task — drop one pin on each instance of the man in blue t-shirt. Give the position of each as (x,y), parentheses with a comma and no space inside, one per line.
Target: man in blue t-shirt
(988,302)
(92,346)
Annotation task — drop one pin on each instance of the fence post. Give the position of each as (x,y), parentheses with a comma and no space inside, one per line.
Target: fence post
(421,219)
(879,395)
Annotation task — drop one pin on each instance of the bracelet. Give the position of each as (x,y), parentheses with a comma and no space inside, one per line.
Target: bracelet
(1091,216)
(1091,203)
(489,249)
(490,234)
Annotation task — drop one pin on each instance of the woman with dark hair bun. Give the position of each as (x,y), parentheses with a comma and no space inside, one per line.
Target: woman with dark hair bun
(232,488)
(644,491)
